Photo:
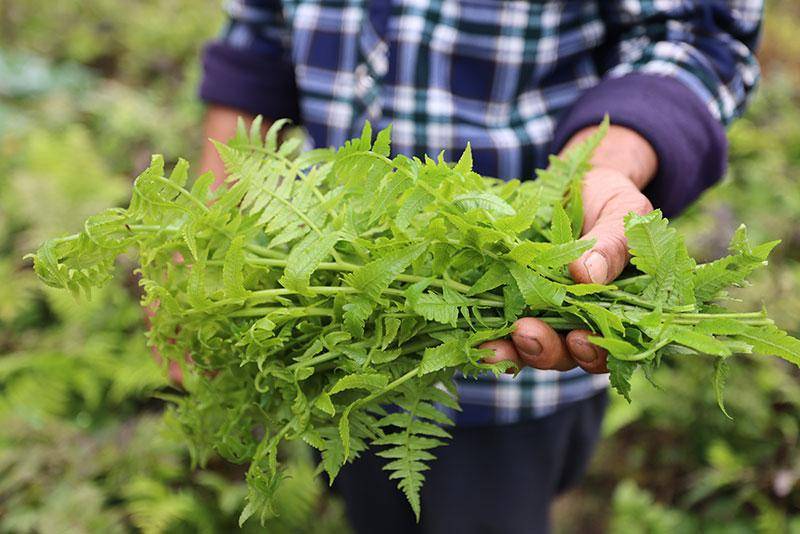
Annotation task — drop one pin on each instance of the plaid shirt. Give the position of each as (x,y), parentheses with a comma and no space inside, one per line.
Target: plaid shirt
(516,79)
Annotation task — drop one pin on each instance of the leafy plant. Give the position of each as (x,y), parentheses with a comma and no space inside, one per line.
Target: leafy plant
(725,476)
(636,511)
(330,296)
(76,379)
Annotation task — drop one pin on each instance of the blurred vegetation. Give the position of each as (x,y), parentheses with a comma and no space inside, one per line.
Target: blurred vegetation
(671,462)
(89,89)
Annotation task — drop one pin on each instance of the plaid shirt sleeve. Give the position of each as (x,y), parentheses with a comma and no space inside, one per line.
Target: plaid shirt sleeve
(248,67)
(676,71)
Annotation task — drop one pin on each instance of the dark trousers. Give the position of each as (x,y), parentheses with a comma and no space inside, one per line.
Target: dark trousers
(490,479)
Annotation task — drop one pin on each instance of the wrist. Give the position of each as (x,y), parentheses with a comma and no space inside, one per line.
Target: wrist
(221,123)
(624,151)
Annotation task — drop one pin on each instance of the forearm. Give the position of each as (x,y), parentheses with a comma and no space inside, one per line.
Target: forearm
(624,151)
(220,125)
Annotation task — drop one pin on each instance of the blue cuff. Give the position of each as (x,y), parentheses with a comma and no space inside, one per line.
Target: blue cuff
(690,142)
(257,83)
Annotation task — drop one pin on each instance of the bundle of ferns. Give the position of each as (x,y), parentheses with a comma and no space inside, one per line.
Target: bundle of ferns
(330,296)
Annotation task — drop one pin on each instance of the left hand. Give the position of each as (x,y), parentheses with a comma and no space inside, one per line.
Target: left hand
(611,190)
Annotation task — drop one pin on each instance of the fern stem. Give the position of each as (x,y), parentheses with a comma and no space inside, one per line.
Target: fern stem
(183,191)
(749,322)
(281,262)
(486,299)
(623,282)
(632,299)
(303,339)
(742,315)
(558,323)
(645,354)
(267,444)
(389,387)
(293,208)
(264,251)
(294,168)
(411,348)
(318,290)
(263,311)
(408,349)
(65,239)
(322,358)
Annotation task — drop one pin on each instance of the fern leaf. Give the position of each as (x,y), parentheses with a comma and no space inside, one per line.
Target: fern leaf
(561,227)
(721,369)
(355,315)
(374,278)
(731,271)
(569,169)
(305,257)
(368,381)
(433,307)
(486,201)
(495,276)
(771,340)
(659,251)
(449,354)
(409,447)
(233,269)
(701,342)
(620,373)
(539,293)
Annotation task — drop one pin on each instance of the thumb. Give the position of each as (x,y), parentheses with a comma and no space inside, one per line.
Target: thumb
(609,255)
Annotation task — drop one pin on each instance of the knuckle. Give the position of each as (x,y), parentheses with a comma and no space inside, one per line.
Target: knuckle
(624,201)
(617,242)
(641,205)
(612,243)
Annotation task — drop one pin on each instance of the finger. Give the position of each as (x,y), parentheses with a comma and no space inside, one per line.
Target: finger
(175,373)
(591,358)
(503,350)
(608,257)
(540,346)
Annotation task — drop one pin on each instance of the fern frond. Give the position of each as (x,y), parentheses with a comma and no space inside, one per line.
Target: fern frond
(411,435)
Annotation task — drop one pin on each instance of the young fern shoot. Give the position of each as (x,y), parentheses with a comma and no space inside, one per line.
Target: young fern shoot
(330,296)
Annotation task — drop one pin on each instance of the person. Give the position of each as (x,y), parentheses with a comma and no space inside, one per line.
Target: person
(519,80)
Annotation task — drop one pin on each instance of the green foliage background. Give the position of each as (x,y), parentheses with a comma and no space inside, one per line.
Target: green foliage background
(89,89)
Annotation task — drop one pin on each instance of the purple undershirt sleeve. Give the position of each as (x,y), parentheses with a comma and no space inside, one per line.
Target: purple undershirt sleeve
(690,142)
(258,82)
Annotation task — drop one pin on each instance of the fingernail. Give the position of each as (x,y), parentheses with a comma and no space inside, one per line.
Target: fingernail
(596,267)
(531,346)
(587,353)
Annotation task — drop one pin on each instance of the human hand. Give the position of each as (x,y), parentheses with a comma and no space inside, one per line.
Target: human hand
(611,190)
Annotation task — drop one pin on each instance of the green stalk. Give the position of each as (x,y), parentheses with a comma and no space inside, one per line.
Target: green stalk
(388,387)
(733,315)
(181,190)
(411,348)
(632,299)
(327,356)
(748,322)
(296,211)
(350,267)
(319,290)
(263,311)
(645,354)
(151,228)
(263,251)
(558,323)
(322,358)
